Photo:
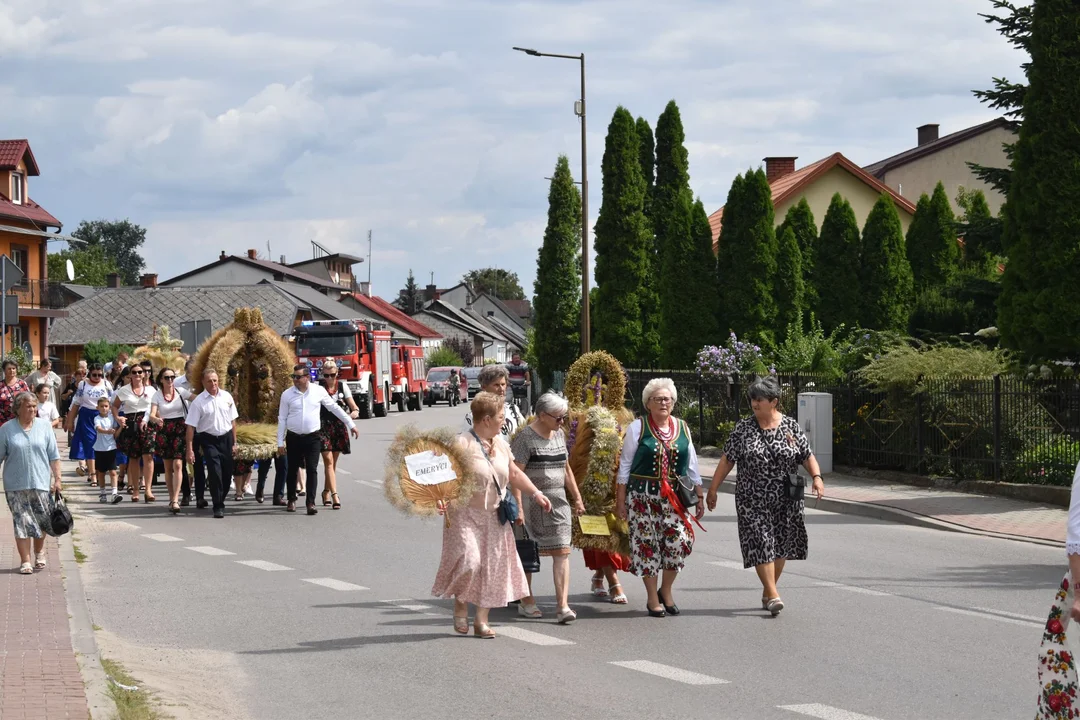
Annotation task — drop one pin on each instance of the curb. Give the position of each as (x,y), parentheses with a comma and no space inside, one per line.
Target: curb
(905,517)
(83,641)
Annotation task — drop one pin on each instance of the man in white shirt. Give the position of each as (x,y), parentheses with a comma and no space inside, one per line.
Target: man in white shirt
(121,362)
(298,432)
(211,422)
(182,382)
(44,374)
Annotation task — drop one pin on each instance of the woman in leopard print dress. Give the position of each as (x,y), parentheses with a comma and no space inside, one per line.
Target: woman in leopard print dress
(766,447)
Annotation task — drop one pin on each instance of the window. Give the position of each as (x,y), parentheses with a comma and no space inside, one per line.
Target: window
(17,188)
(20,256)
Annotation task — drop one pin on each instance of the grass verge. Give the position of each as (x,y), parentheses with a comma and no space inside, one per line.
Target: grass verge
(130,704)
(80,556)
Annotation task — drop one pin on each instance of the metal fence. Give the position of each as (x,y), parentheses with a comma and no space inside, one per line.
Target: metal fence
(1000,428)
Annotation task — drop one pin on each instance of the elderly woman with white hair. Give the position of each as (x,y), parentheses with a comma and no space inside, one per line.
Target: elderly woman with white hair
(657,454)
(767,446)
(495,379)
(540,451)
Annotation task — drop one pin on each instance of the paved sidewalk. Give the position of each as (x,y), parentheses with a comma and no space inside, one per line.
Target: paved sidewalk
(930,507)
(39,676)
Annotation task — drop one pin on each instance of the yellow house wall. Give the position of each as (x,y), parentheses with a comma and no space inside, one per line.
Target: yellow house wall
(837,180)
(949,166)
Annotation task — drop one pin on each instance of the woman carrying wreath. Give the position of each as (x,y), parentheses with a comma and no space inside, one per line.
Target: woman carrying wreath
(479,563)
(657,452)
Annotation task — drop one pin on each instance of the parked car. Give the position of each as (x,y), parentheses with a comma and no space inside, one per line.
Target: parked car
(438,381)
(472,375)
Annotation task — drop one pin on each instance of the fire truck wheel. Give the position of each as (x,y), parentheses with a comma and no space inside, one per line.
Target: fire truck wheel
(382,409)
(401,402)
(419,402)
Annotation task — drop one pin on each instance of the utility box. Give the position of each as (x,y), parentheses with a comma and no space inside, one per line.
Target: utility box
(816,419)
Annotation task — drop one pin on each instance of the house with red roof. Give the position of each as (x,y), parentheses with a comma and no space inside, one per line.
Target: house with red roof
(25,229)
(818,182)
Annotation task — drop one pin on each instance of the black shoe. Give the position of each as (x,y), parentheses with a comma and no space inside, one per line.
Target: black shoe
(202,504)
(311,509)
(219,513)
(655,613)
(669,609)
(259,498)
(290,507)
(185,501)
(279,501)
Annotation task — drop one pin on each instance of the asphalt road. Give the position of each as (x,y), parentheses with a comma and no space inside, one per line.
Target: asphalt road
(271,615)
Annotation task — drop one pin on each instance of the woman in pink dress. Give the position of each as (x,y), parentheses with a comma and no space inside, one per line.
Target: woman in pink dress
(480,564)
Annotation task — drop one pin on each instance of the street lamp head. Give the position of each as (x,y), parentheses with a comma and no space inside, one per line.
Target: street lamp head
(528,51)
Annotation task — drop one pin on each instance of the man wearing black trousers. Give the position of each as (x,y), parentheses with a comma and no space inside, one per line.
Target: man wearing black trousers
(298,432)
(184,383)
(211,421)
(279,479)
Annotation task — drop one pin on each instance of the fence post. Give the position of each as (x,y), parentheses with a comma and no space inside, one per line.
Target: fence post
(701,413)
(919,443)
(997,428)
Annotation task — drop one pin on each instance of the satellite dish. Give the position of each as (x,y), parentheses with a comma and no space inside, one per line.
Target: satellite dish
(337,278)
(70,270)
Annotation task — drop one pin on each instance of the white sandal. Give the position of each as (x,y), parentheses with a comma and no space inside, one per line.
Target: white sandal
(530,611)
(618,598)
(566,616)
(26,569)
(598,589)
(40,563)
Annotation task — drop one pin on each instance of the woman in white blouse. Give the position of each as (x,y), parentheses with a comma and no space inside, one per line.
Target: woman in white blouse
(136,438)
(168,409)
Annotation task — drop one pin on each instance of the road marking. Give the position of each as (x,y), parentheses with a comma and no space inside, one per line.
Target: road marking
(123,523)
(990,616)
(163,538)
(991,611)
(410,604)
(729,564)
(854,589)
(529,636)
(342,471)
(207,550)
(334,584)
(264,565)
(670,673)
(825,712)
(370,484)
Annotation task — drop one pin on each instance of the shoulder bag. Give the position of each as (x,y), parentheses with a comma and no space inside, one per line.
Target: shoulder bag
(508,507)
(60,520)
(683,485)
(794,484)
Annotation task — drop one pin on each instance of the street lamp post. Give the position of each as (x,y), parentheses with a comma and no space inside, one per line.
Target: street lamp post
(579,109)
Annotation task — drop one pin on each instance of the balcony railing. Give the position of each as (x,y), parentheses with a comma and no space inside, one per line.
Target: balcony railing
(41,294)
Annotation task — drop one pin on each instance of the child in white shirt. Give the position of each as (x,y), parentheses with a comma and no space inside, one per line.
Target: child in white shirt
(46,410)
(105,451)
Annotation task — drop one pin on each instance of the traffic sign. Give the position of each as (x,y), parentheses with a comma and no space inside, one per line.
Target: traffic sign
(10,276)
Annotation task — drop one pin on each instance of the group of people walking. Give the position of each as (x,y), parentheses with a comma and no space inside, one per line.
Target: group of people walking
(660,494)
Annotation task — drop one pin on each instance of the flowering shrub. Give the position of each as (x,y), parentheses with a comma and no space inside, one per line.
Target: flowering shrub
(734,358)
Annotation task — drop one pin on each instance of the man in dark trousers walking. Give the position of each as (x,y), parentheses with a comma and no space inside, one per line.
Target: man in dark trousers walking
(211,421)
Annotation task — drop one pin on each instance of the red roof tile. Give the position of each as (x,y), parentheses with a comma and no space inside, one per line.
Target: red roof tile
(29,211)
(391,314)
(789,185)
(14,151)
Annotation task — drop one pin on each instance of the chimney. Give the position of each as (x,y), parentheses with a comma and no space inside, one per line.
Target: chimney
(112,280)
(778,167)
(927,133)
(431,292)
(223,255)
(149,280)
(252,255)
(365,288)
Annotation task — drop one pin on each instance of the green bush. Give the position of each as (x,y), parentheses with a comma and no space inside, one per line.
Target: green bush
(809,350)
(1051,462)
(903,367)
(103,351)
(444,357)
(25,364)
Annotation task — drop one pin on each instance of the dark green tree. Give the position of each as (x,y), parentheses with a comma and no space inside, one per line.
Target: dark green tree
(978,227)
(888,293)
(557,300)
(497,282)
(91,265)
(622,242)
(671,219)
(1038,312)
(800,218)
(837,268)
(788,287)
(750,240)
(932,249)
(724,258)
(120,239)
(412,299)
(647,155)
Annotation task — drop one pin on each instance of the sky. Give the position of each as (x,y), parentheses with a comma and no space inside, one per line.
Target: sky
(235,124)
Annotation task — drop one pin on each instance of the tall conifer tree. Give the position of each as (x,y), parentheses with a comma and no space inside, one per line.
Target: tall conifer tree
(887,287)
(837,268)
(622,241)
(649,351)
(749,302)
(558,278)
(788,287)
(932,249)
(800,218)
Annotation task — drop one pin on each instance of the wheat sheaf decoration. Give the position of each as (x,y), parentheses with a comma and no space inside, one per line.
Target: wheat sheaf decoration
(413,498)
(596,378)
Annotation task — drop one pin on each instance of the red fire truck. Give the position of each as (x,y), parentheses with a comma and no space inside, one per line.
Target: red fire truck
(367,359)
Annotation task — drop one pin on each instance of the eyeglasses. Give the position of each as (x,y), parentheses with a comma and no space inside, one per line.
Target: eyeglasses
(556,418)
(136,372)
(95,375)
(662,400)
(329,374)
(298,377)
(168,377)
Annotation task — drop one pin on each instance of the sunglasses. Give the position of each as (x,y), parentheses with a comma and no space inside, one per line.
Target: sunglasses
(298,377)
(168,377)
(136,372)
(329,375)
(93,375)
(556,418)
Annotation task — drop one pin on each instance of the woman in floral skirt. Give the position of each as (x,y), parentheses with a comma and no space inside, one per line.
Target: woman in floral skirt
(332,432)
(168,408)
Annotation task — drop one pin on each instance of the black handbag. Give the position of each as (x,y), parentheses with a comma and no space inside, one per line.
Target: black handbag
(529,552)
(60,520)
(794,484)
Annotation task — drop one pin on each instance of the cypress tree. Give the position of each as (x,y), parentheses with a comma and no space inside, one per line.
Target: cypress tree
(837,269)
(672,208)
(788,286)
(729,231)
(749,302)
(1038,313)
(800,218)
(649,350)
(887,287)
(932,249)
(647,155)
(558,278)
(622,241)
(979,228)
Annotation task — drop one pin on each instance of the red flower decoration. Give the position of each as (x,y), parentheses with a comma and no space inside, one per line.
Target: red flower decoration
(1054,701)
(1054,626)
(1065,584)
(1065,657)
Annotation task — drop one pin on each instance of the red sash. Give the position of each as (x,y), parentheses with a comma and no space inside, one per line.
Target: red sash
(667,492)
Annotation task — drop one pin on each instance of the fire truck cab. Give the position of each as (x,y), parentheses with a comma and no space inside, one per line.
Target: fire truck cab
(362,350)
(409,377)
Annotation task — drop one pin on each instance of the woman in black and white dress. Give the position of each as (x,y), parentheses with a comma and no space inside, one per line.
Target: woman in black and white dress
(767,447)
